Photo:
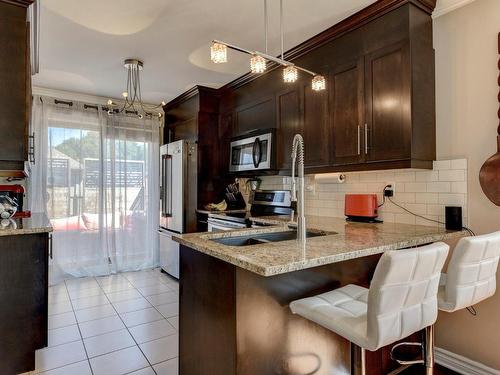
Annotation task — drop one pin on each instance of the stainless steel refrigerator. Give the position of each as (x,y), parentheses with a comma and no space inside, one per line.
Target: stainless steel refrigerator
(178,199)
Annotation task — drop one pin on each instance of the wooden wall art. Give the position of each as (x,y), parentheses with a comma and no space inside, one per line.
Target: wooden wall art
(489,176)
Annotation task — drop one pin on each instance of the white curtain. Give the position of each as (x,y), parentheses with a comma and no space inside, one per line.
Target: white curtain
(96,176)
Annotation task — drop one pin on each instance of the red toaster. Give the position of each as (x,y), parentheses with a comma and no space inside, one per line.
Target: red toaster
(361,207)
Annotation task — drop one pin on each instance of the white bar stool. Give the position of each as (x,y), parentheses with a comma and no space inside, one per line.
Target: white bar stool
(471,274)
(402,300)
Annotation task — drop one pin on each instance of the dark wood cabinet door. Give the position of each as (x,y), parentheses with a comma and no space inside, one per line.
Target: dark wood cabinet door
(225,134)
(347,112)
(253,116)
(186,130)
(316,127)
(14,75)
(388,104)
(289,123)
(24,296)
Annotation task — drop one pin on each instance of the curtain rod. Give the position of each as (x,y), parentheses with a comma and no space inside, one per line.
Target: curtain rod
(69,104)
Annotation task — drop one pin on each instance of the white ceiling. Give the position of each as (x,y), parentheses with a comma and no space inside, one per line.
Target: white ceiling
(83,43)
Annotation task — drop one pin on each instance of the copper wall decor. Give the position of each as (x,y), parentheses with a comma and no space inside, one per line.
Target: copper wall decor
(489,176)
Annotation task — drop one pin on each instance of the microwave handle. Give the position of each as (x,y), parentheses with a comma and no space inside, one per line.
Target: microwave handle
(256,146)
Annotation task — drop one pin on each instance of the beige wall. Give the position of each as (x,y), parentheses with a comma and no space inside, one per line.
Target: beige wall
(466,89)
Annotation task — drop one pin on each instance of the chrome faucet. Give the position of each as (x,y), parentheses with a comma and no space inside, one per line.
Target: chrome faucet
(298,158)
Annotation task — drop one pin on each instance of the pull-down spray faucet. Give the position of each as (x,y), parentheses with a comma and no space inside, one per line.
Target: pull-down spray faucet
(298,158)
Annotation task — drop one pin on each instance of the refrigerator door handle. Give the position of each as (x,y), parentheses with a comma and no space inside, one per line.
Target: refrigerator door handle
(166,188)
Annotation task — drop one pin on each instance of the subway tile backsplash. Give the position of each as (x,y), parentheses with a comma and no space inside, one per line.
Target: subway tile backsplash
(425,193)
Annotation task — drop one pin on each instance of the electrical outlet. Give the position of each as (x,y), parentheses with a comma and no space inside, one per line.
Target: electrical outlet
(310,188)
(391,189)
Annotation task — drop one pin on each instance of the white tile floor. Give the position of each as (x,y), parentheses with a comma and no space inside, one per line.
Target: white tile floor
(113,325)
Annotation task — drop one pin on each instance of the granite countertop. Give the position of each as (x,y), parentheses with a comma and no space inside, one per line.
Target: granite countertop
(344,241)
(206,212)
(37,223)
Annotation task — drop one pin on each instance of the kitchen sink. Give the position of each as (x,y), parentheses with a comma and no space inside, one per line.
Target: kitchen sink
(262,238)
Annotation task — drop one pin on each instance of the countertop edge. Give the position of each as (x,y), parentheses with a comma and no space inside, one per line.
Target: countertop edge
(37,223)
(19,232)
(336,258)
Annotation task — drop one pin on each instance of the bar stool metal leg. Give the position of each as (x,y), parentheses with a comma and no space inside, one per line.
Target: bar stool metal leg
(358,360)
(429,350)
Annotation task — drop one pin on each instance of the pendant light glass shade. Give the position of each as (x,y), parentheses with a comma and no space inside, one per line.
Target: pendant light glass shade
(218,53)
(290,74)
(318,83)
(257,64)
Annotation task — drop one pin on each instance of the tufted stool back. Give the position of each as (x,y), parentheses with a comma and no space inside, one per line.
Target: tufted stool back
(403,293)
(471,275)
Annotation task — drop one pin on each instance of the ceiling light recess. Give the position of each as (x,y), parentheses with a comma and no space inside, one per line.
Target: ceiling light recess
(132,96)
(258,62)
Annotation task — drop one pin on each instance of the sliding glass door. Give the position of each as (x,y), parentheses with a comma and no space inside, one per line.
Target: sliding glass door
(100,189)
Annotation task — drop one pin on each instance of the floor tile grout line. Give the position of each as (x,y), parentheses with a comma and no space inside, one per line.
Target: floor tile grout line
(105,333)
(79,330)
(133,338)
(113,351)
(64,343)
(59,367)
(160,312)
(119,316)
(117,313)
(131,372)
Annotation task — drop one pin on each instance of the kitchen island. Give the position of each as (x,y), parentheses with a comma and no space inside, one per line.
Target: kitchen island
(234,314)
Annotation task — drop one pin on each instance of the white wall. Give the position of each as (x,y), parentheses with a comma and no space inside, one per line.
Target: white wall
(466,45)
(423,192)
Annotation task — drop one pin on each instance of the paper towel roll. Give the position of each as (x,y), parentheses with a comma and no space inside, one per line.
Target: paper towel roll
(330,178)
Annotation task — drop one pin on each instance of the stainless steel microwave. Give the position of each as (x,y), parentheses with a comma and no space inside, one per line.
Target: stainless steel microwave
(252,151)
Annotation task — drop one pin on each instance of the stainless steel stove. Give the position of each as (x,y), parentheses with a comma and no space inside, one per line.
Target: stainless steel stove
(263,203)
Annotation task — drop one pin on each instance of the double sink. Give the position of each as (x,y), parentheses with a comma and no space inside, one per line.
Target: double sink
(263,238)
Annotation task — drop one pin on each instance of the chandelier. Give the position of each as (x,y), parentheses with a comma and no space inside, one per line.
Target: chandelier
(258,62)
(132,96)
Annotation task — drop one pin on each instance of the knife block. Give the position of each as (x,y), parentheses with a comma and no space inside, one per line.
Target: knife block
(235,201)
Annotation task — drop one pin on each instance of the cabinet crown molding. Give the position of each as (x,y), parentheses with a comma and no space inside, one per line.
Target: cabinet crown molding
(21,3)
(365,15)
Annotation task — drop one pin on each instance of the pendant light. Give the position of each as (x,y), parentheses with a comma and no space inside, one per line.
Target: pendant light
(318,83)
(132,96)
(257,64)
(290,74)
(218,53)
(258,61)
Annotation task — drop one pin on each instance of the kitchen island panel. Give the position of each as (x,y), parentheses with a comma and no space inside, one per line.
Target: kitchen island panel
(235,322)
(207,323)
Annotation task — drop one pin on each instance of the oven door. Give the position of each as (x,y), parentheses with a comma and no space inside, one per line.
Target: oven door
(216,225)
(252,153)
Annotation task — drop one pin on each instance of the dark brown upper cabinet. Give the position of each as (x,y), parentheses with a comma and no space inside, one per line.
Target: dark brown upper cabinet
(347,113)
(16,76)
(255,115)
(194,116)
(315,127)
(289,123)
(387,130)
(378,110)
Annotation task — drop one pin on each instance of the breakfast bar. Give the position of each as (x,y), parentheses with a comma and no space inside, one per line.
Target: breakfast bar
(235,290)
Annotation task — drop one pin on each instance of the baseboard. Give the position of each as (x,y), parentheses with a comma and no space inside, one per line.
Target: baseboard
(462,365)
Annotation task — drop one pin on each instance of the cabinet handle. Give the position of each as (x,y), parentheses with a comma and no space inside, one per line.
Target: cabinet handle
(50,247)
(31,151)
(366,139)
(359,140)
